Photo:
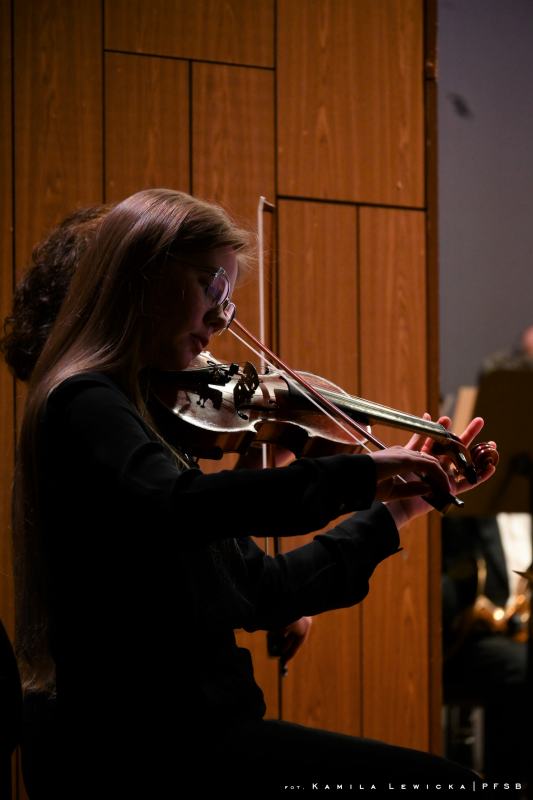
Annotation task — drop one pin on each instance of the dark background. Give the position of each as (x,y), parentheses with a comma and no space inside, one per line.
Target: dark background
(485,181)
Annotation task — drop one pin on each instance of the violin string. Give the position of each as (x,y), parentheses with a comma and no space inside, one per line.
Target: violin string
(301,389)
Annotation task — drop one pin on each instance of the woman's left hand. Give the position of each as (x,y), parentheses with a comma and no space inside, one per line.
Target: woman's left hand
(404,510)
(295,636)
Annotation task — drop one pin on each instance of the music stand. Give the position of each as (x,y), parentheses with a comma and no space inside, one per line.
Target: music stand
(505,401)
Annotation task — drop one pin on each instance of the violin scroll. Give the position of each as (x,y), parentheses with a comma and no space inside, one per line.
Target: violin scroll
(484,455)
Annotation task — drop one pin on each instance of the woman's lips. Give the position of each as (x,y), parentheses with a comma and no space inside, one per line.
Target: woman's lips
(201,341)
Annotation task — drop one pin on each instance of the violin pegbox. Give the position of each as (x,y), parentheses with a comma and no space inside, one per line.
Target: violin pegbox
(458,453)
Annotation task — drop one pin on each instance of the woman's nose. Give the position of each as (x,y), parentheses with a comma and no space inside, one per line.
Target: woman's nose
(215,319)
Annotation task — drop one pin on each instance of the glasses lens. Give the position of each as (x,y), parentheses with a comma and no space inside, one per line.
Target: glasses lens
(229,313)
(229,316)
(218,290)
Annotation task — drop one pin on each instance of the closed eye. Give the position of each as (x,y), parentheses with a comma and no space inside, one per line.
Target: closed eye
(205,284)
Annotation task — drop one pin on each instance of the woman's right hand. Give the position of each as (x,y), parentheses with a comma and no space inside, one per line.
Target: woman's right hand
(401,461)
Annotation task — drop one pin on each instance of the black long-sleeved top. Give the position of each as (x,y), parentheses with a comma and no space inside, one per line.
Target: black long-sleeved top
(145,595)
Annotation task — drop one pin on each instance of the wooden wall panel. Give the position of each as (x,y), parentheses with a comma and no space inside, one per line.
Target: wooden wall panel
(233,163)
(233,31)
(394,372)
(147,130)
(323,687)
(395,645)
(350,100)
(58,115)
(318,331)
(393,310)
(318,303)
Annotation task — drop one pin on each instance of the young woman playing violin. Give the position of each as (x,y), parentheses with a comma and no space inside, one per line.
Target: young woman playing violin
(36,303)
(133,569)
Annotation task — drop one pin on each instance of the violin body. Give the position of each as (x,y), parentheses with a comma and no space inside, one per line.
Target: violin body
(210,419)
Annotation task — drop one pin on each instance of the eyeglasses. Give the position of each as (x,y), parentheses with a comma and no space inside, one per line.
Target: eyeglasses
(217,293)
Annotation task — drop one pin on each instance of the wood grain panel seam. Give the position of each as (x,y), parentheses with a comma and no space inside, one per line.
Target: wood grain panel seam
(358,310)
(361,667)
(103,106)
(430,40)
(14,761)
(348,202)
(432,310)
(13,207)
(359,385)
(17,772)
(275,243)
(191,172)
(195,60)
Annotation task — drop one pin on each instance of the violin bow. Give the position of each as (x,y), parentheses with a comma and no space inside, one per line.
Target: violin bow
(336,414)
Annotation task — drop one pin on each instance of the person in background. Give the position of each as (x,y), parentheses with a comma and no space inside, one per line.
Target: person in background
(520,357)
(40,293)
(485,650)
(486,610)
(36,303)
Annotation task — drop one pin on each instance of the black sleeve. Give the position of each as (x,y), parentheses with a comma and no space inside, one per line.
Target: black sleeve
(115,458)
(330,572)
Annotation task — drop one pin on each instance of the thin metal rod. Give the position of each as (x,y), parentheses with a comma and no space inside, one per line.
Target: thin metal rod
(311,389)
(261,247)
(262,206)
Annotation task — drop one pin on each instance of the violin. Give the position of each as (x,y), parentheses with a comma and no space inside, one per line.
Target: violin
(214,408)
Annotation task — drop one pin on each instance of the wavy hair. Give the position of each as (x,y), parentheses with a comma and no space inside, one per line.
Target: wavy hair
(101,327)
(39,295)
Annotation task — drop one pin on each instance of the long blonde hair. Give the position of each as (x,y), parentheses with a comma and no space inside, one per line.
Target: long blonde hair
(100,328)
